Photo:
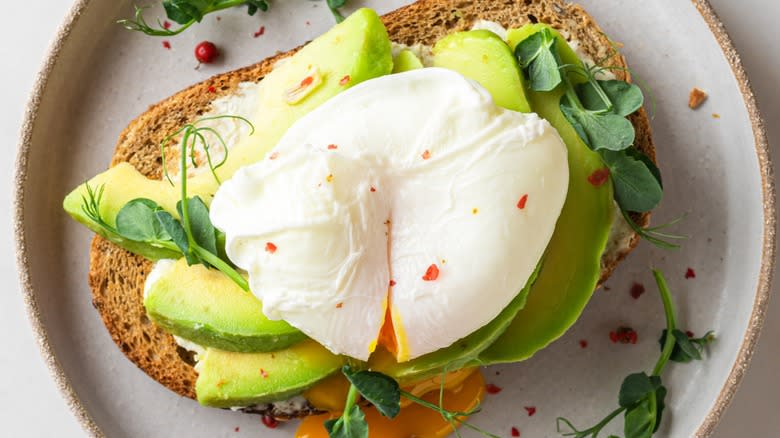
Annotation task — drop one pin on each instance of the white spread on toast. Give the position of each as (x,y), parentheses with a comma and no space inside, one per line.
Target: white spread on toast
(241,102)
(160,268)
(492,26)
(619,239)
(350,203)
(422,51)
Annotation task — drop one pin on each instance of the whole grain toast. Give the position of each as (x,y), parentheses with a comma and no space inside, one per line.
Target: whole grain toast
(117,276)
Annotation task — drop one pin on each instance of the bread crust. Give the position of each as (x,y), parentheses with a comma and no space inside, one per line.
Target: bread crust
(117,276)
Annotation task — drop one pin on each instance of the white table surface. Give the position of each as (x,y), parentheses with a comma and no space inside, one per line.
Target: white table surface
(30,405)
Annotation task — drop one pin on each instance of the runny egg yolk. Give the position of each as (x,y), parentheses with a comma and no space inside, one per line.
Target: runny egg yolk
(464,390)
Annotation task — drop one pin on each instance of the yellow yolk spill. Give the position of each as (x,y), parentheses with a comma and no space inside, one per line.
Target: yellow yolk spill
(464,391)
(387,337)
(330,394)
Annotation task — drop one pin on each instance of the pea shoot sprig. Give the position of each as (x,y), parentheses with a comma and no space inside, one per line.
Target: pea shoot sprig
(192,235)
(385,394)
(598,110)
(641,397)
(188,12)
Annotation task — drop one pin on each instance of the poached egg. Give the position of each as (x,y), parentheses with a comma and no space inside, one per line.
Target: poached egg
(408,210)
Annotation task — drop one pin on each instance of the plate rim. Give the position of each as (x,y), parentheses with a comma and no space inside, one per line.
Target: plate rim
(730,385)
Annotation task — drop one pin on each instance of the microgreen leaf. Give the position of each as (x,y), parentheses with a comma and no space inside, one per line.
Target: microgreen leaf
(137,221)
(333,6)
(685,345)
(538,57)
(636,188)
(351,424)
(660,396)
(336,3)
(634,389)
(173,228)
(598,131)
(625,98)
(640,420)
(639,155)
(183,11)
(203,232)
(254,5)
(382,391)
(687,349)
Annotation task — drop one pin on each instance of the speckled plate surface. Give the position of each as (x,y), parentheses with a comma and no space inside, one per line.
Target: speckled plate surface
(714,160)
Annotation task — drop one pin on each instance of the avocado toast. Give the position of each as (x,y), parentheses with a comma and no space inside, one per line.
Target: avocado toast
(117,276)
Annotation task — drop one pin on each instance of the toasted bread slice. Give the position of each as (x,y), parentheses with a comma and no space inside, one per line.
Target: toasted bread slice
(117,277)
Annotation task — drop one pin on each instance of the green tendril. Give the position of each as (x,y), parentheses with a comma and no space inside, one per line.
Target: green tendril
(90,205)
(139,24)
(197,134)
(653,235)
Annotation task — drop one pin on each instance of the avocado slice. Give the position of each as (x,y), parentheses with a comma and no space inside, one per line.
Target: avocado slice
(456,355)
(482,56)
(357,48)
(227,379)
(206,307)
(572,266)
(406,60)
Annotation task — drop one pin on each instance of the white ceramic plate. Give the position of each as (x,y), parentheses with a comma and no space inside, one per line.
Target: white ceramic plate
(716,170)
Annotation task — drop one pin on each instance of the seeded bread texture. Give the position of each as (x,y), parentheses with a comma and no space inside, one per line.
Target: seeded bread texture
(117,277)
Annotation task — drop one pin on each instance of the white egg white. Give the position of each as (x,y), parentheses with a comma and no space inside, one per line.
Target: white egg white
(391,181)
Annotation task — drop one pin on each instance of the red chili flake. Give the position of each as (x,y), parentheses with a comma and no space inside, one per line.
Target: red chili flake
(167,44)
(432,273)
(599,177)
(308,23)
(637,289)
(583,343)
(690,273)
(263,373)
(492,389)
(426,154)
(270,422)
(515,432)
(345,80)
(332,147)
(523,200)
(237,429)
(531,410)
(392,283)
(273,156)
(624,335)
(260,32)
(373,189)
(219,18)
(212,90)
(270,247)
(339,305)
(308,80)
(689,333)
(166,24)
